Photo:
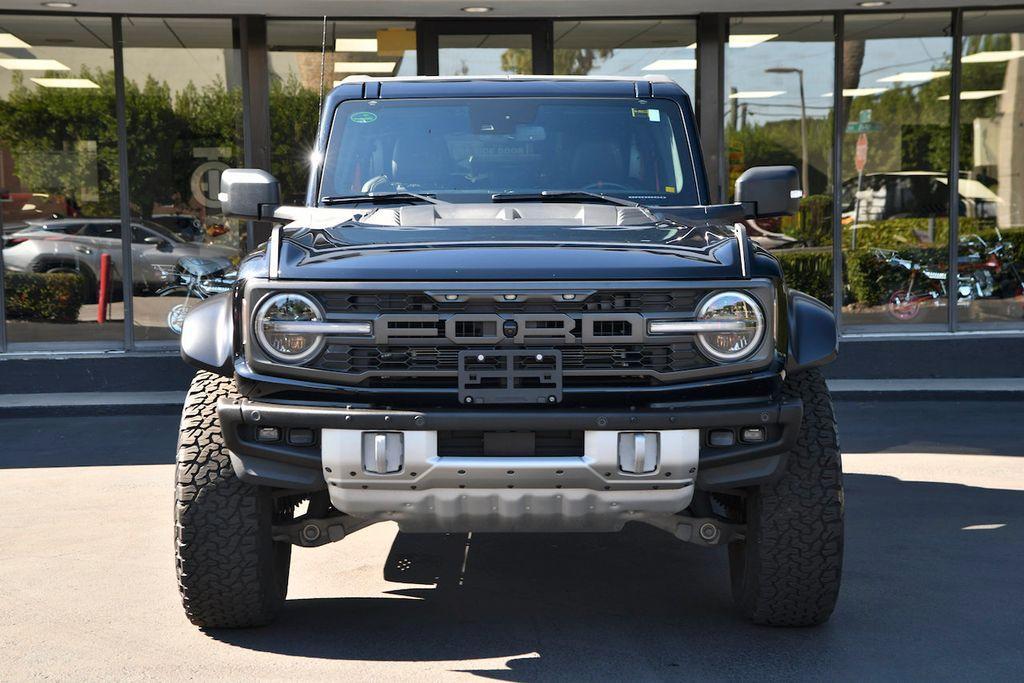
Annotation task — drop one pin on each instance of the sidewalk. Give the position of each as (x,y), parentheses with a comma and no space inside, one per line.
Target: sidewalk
(169,402)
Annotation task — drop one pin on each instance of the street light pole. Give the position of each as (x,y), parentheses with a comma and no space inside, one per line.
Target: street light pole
(804,170)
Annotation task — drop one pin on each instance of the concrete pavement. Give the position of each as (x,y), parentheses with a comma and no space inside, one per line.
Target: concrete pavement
(935,535)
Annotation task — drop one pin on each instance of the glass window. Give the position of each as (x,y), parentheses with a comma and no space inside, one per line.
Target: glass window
(184,114)
(468,149)
(991,186)
(58,160)
(613,47)
(778,80)
(353,47)
(484,54)
(896,152)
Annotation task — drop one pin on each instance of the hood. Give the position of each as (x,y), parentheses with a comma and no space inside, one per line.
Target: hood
(506,242)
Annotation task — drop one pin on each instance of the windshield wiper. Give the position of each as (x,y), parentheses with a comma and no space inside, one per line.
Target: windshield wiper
(381,198)
(570,195)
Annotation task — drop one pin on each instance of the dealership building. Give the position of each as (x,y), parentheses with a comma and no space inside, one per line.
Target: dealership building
(905,119)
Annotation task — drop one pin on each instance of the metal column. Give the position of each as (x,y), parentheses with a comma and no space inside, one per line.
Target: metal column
(127,267)
(252,43)
(712,34)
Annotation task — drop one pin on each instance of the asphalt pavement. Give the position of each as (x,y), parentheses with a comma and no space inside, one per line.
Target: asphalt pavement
(931,591)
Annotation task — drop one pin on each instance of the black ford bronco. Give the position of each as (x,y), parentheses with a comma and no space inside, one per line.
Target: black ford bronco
(508,305)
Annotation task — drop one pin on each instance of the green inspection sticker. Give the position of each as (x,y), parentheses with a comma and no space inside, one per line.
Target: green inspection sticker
(363,117)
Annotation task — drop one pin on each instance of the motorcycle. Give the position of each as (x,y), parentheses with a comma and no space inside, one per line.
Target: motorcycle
(198,279)
(982,273)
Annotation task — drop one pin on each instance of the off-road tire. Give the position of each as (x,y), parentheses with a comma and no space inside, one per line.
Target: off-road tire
(231,573)
(787,570)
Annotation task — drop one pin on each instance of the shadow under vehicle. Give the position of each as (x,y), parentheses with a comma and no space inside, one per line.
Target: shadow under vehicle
(77,245)
(508,306)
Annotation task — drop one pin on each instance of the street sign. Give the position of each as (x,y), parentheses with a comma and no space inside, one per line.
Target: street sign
(860,158)
(863,127)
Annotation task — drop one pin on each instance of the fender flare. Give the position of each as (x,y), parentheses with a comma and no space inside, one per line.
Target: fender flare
(207,335)
(813,334)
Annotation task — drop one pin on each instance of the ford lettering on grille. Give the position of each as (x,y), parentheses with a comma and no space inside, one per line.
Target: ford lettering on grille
(557,329)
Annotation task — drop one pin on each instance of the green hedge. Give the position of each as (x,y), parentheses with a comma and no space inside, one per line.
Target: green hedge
(51,297)
(808,270)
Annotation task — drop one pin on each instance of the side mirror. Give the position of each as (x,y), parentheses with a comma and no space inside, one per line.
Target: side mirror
(769,191)
(249,193)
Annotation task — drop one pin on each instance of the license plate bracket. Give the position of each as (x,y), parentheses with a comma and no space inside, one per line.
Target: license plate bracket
(510,376)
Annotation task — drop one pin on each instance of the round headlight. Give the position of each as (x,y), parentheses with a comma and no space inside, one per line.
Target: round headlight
(284,342)
(742,325)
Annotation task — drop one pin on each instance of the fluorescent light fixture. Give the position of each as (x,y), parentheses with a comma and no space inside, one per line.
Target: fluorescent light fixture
(913,76)
(65,82)
(477,10)
(857,92)
(9,40)
(60,5)
(691,46)
(992,56)
(975,94)
(671,65)
(355,45)
(872,4)
(755,94)
(33,65)
(364,67)
(750,39)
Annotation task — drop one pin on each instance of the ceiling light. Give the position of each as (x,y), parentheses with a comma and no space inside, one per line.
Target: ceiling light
(857,92)
(913,76)
(60,5)
(364,67)
(975,94)
(691,46)
(355,45)
(750,39)
(671,65)
(477,10)
(65,82)
(33,65)
(992,56)
(755,94)
(872,4)
(9,40)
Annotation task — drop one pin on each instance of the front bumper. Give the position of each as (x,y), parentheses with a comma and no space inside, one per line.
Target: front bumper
(432,492)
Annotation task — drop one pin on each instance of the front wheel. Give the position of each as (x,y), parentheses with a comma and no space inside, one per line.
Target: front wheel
(786,572)
(231,573)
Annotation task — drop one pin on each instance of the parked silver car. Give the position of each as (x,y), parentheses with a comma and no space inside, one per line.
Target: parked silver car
(75,245)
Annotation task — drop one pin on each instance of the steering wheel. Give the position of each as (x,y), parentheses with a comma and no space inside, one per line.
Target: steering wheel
(605,186)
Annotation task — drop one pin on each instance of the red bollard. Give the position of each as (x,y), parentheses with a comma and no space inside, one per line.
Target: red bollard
(101,310)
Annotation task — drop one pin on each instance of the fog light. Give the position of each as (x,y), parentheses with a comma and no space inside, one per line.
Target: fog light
(752,434)
(383,452)
(721,437)
(268,434)
(638,452)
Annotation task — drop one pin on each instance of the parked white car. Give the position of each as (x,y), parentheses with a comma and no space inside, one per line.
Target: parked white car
(75,245)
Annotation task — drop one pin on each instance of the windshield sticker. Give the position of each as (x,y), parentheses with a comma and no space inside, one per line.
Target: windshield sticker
(670,188)
(653,115)
(363,117)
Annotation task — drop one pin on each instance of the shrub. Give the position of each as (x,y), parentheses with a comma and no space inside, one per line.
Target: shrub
(808,270)
(51,297)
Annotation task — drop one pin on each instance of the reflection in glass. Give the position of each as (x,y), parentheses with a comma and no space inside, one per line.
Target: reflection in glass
(184,117)
(628,48)
(58,159)
(777,71)
(895,185)
(352,47)
(484,55)
(991,184)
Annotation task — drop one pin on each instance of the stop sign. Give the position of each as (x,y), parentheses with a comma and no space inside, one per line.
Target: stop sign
(860,159)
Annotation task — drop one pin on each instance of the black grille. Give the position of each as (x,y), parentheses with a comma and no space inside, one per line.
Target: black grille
(540,444)
(418,302)
(403,359)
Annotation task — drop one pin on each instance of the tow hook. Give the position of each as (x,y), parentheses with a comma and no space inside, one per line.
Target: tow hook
(310,532)
(708,531)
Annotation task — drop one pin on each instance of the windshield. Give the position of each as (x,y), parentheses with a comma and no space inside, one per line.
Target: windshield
(468,149)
